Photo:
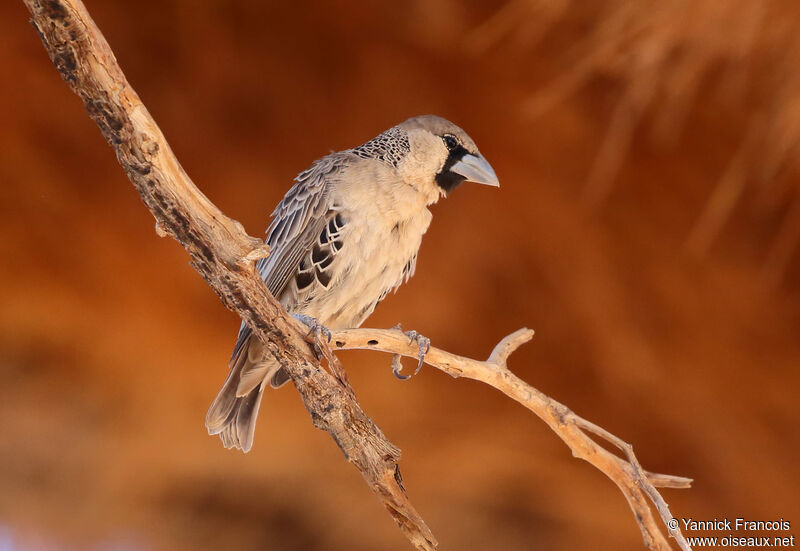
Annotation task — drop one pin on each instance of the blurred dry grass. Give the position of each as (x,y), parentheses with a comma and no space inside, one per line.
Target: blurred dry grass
(667,59)
(627,135)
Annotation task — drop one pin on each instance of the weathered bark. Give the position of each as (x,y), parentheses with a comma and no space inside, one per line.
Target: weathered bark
(223,253)
(220,249)
(637,485)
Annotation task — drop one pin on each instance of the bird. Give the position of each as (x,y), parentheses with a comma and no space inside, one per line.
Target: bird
(344,236)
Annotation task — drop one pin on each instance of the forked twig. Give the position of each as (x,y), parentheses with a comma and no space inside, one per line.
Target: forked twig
(223,254)
(635,483)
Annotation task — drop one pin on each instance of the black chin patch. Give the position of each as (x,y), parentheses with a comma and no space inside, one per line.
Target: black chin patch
(446,179)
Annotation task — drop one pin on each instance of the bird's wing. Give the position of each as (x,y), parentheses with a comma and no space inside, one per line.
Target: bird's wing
(297,222)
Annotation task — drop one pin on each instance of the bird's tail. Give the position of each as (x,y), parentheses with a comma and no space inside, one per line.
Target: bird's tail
(233,413)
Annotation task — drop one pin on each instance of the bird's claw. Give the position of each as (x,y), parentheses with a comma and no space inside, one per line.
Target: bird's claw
(316,329)
(424,345)
(397,367)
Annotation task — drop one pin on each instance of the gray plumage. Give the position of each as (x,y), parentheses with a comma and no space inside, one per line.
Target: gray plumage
(344,236)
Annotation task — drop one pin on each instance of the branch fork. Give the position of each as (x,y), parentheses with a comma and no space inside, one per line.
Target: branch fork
(223,253)
(636,484)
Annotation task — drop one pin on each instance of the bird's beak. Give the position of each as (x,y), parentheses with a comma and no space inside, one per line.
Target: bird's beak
(476,169)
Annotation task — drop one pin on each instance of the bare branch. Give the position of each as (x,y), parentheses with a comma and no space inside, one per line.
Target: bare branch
(636,484)
(508,345)
(220,248)
(223,254)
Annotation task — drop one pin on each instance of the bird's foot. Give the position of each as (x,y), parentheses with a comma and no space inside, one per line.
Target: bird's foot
(315,333)
(423,344)
(397,367)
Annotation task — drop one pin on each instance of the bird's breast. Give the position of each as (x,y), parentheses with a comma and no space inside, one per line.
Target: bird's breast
(378,254)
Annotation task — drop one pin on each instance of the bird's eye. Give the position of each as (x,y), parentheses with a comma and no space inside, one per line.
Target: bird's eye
(450,141)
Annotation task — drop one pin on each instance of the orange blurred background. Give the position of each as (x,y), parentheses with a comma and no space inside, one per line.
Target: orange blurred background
(646,228)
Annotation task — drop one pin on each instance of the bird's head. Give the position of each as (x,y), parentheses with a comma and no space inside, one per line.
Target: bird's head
(431,154)
(441,156)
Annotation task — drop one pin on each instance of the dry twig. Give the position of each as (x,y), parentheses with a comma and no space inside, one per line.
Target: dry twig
(636,484)
(223,254)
